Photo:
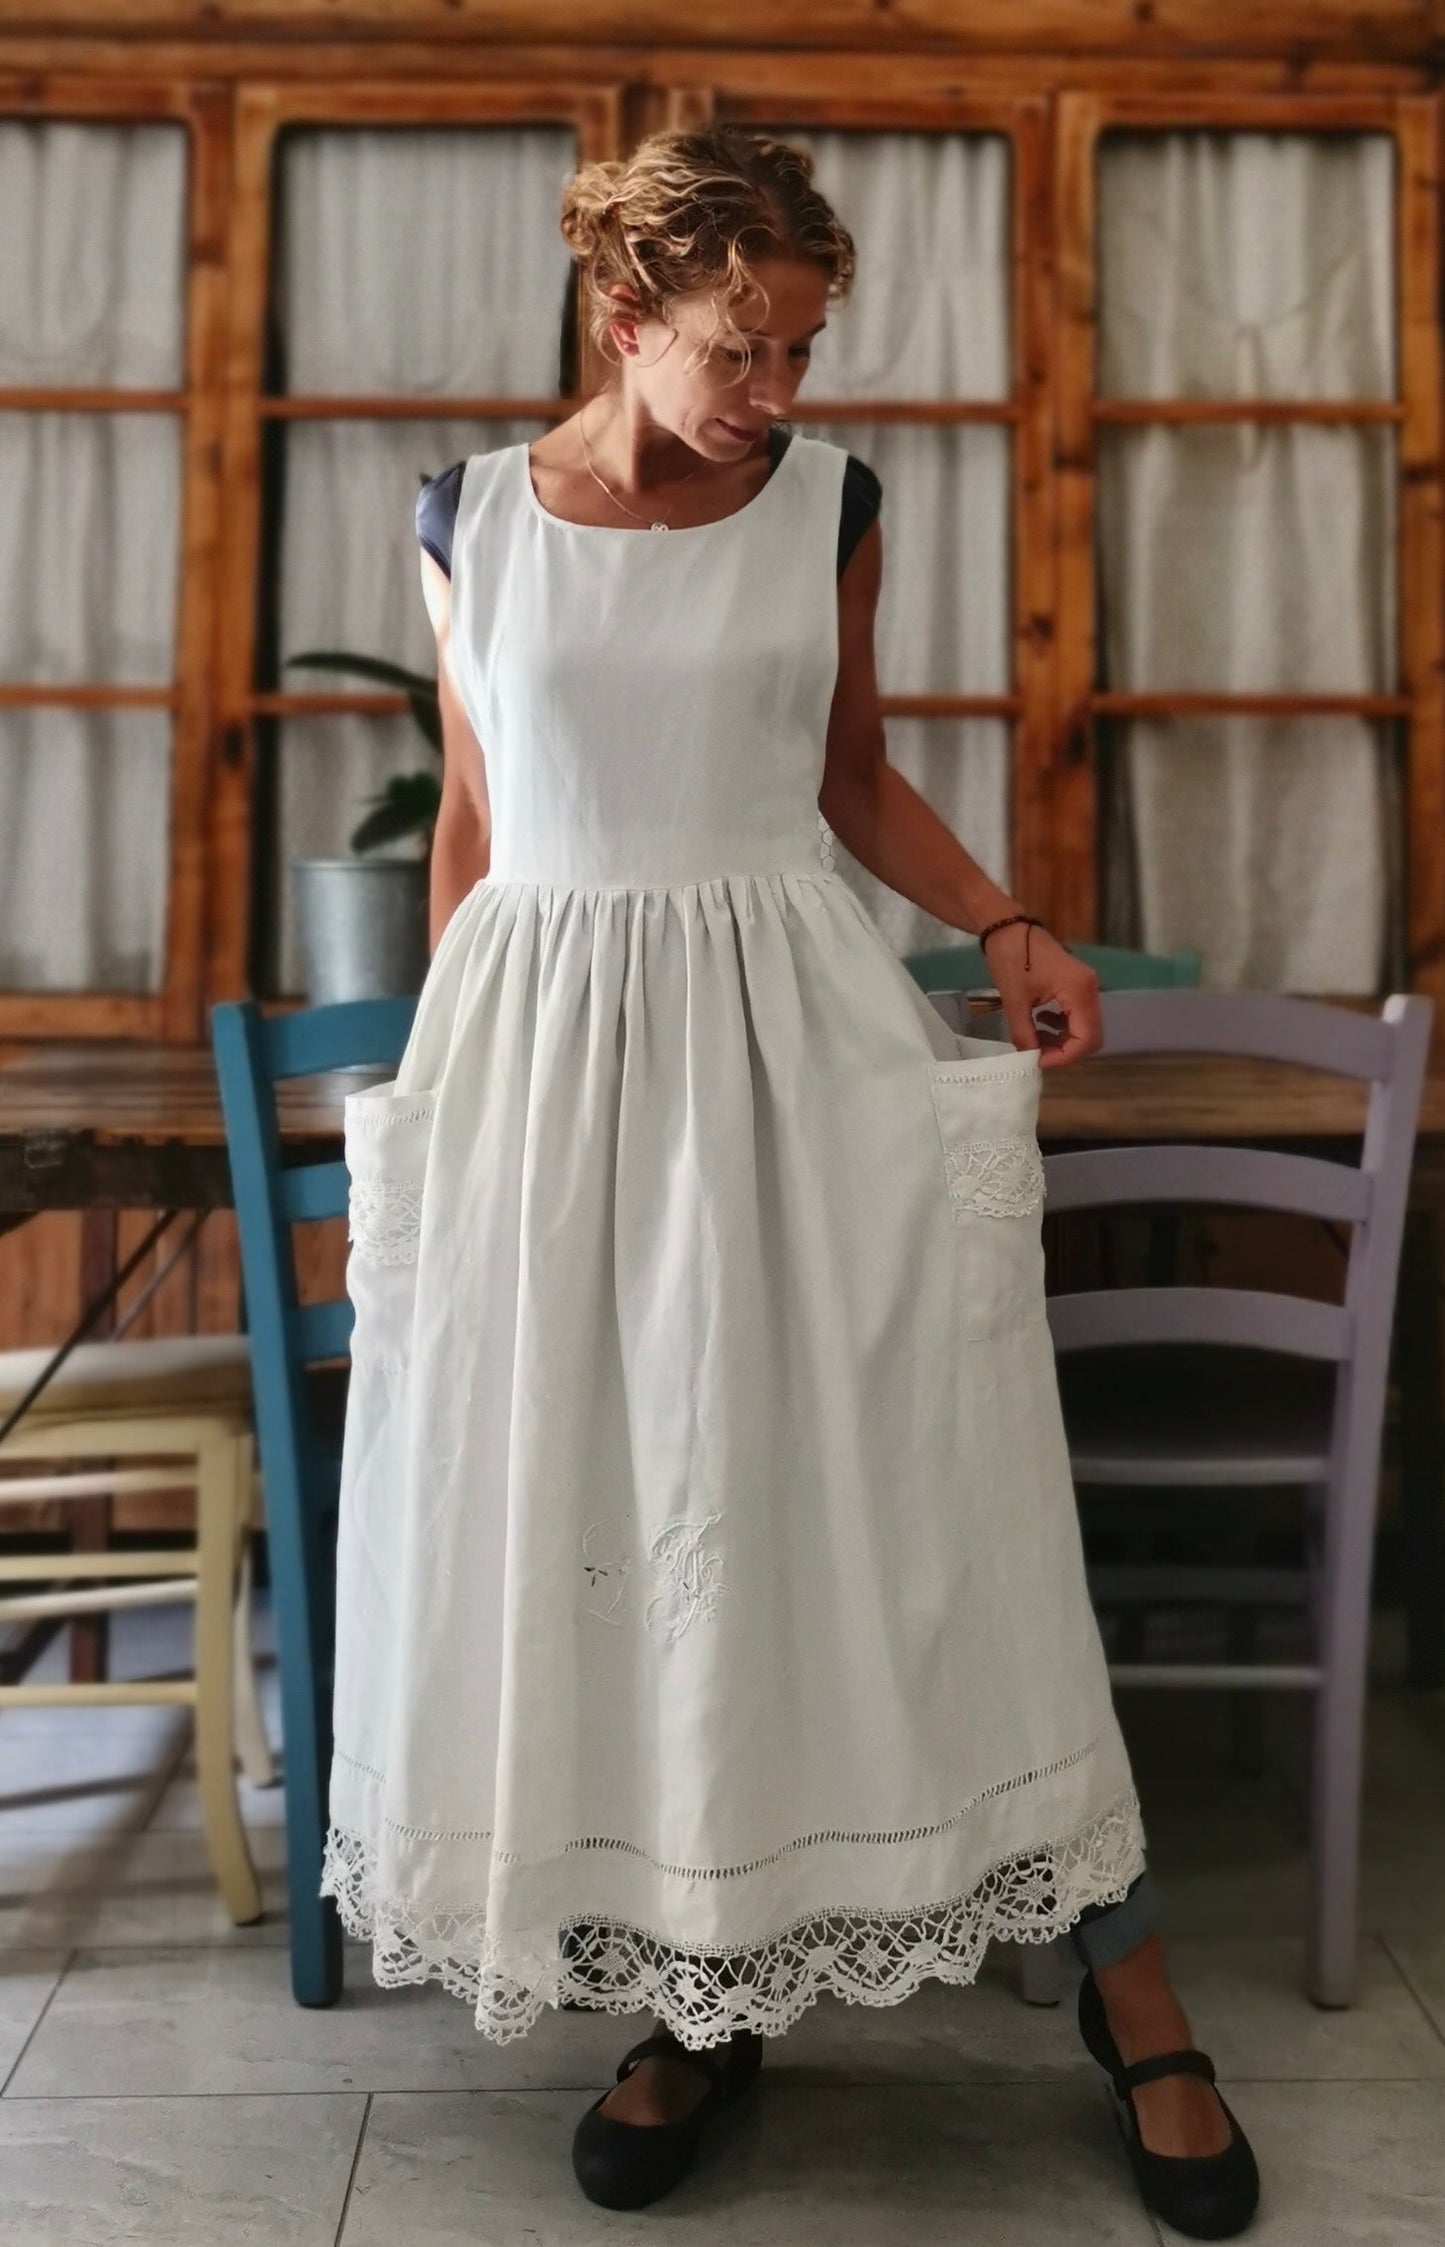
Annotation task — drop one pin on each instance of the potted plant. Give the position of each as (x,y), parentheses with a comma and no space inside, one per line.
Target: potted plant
(362,920)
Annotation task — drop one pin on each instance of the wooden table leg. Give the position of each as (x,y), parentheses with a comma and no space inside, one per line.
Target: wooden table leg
(89,1519)
(1422,1449)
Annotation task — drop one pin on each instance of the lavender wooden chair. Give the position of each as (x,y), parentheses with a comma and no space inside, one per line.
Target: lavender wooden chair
(1212,1387)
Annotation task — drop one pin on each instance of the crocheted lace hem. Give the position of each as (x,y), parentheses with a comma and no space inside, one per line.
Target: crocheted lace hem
(703,1995)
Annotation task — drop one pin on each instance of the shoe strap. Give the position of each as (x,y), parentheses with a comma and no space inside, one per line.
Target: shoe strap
(661,2043)
(1185,2062)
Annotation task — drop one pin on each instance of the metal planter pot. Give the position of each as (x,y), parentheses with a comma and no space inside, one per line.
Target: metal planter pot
(363,926)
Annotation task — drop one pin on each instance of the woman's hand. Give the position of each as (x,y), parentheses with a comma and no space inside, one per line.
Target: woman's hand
(1053,977)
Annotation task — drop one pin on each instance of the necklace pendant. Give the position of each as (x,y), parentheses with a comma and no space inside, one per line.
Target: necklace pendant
(657,526)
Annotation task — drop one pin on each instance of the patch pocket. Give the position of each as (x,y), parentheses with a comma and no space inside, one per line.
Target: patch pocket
(388,1138)
(987,1112)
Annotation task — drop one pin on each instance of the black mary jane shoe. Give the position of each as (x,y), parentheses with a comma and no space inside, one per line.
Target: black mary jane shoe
(626,2164)
(1206,2196)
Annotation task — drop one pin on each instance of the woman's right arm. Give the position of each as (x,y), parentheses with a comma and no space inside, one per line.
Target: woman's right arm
(462,842)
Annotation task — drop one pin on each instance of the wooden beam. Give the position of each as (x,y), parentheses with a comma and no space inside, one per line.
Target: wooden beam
(1366,29)
(1421,544)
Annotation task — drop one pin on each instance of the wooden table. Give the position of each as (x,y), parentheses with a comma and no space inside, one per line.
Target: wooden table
(99,1126)
(117,1124)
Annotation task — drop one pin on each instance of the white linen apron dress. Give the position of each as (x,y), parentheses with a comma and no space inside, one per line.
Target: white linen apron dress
(712,1625)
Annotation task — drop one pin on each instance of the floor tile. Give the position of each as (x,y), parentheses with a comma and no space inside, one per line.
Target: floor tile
(1016,2166)
(178,2172)
(1248,2008)
(86,1775)
(28,1982)
(1421,1961)
(159,2022)
(148,1888)
(1344,2164)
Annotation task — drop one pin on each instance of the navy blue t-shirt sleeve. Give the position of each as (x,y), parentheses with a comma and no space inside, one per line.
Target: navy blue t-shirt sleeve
(862,498)
(436,513)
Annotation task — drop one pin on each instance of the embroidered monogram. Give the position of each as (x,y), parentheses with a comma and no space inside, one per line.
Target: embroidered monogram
(688,1573)
(606,1580)
(994,1177)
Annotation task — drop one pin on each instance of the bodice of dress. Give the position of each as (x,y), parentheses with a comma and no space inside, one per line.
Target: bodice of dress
(652,706)
(436,503)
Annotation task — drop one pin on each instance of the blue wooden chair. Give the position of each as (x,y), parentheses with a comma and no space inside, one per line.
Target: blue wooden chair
(962,967)
(299,1391)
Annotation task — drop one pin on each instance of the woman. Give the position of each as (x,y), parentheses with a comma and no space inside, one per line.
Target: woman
(712,1620)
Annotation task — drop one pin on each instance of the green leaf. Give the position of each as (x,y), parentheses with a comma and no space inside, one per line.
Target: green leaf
(408,805)
(420,690)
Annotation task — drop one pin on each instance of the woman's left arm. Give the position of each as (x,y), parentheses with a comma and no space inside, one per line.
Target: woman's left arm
(897,835)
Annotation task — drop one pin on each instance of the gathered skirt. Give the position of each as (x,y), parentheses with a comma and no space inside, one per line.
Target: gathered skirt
(712,1626)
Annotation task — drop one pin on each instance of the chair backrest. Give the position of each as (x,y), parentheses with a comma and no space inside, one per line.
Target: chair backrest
(300,1449)
(253,1053)
(1389,1051)
(962,967)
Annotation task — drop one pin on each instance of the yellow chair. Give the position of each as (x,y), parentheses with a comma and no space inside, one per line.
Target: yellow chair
(153,1415)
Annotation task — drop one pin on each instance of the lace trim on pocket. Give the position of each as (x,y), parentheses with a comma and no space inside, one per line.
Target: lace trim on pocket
(384,1219)
(994,1177)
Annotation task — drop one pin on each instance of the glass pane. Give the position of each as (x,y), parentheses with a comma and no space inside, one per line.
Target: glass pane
(409,263)
(92,292)
(328,765)
(1250,558)
(1247,558)
(961,767)
(84,849)
(1270,846)
(92,254)
(90,512)
(928,316)
(414,261)
(943,614)
(1242,264)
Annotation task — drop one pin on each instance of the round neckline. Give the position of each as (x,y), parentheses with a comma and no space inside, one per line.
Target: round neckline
(620,530)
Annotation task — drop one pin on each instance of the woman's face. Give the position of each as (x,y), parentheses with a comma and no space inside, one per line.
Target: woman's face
(721,406)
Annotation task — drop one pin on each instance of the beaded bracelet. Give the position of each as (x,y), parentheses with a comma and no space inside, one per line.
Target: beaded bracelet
(1032,919)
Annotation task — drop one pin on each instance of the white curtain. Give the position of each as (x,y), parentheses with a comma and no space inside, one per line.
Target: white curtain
(92,281)
(415,263)
(929,318)
(1250,558)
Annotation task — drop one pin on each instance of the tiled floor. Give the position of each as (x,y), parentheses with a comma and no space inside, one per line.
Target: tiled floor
(161,2086)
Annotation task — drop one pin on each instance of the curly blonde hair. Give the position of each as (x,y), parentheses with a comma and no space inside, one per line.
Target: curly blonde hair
(697,210)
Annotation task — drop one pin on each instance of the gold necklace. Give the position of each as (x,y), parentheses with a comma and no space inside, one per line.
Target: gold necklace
(611,494)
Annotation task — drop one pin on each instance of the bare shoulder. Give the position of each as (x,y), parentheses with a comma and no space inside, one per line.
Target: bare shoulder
(436,589)
(862,578)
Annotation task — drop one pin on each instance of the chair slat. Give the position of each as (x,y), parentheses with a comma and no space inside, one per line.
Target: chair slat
(1246,1177)
(1267,1025)
(323,1330)
(359,1032)
(1256,1318)
(312,1190)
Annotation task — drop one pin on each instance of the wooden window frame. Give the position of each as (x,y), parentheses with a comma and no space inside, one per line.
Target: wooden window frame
(1413,122)
(264,110)
(1054,131)
(233,121)
(171,1012)
(1023,121)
